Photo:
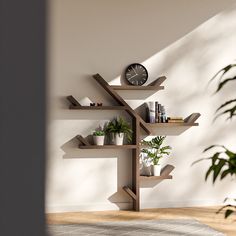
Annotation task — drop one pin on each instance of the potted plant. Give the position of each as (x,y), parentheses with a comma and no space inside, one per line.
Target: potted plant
(155,151)
(98,137)
(119,128)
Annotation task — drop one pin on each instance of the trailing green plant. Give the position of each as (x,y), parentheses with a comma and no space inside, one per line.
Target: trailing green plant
(223,161)
(99,133)
(154,149)
(119,125)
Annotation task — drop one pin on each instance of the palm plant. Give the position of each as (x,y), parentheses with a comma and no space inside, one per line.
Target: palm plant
(223,162)
(118,125)
(154,149)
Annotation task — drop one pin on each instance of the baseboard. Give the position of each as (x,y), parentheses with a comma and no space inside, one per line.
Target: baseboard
(128,205)
(89,207)
(177,204)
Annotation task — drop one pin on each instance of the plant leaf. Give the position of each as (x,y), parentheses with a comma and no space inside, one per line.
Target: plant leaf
(212,146)
(225,104)
(224,70)
(209,171)
(223,83)
(225,173)
(217,169)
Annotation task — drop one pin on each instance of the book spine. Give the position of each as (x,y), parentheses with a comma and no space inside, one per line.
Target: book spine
(159,113)
(151,107)
(156,112)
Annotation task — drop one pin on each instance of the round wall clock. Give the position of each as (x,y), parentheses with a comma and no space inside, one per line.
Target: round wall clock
(136,74)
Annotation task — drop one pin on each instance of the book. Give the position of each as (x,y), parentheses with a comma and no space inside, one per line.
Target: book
(156,112)
(151,108)
(175,121)
(175,118)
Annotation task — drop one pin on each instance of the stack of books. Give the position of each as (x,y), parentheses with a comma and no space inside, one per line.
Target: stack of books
(156,112)
(175,120)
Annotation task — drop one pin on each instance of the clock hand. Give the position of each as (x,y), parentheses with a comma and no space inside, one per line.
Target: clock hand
(132,76)
(134,70)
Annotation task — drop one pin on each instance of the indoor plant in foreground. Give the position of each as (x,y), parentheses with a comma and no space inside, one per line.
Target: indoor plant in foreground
(118,128)
(155,151)
(98,137)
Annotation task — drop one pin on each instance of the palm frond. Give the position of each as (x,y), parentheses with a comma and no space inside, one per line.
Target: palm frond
(224,70)
(231,111)
(224,82)
(225,104)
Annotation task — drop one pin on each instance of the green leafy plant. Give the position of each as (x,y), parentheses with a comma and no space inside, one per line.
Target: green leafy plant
(99,133)
(223,162)
(154,149)
(119,125)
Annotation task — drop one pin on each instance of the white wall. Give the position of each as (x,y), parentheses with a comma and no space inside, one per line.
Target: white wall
(188,41)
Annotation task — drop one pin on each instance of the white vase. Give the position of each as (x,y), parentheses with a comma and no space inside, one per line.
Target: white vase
(98,140)
(156,170)
(119,138)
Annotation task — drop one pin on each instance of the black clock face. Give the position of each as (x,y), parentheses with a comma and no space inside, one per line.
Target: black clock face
(136,74)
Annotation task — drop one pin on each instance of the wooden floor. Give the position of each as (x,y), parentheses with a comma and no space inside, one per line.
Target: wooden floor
(206,215)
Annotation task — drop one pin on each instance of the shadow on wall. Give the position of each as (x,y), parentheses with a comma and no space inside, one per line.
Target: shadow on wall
(188,63)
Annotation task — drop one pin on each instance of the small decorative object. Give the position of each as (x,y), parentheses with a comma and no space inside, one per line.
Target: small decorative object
(151,111)
(92,104)
(99,104)
(136,74)
(155,152)
(98,137)
(118,128)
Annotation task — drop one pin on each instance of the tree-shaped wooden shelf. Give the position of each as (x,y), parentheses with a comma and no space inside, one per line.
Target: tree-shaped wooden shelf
(137,124)
(155,85)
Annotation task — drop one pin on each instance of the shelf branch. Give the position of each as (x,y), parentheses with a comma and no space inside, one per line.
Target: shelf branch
(83,140)
(166,170)
(130,192)
(73,101)
(158,81)
(192,118)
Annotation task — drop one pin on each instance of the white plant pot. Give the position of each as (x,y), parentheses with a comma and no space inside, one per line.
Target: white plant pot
(156,170)
(99,140)
(119,138)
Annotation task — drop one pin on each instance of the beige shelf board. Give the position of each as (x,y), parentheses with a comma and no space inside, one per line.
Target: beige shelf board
(143,177)
(131,87)
(108,147)
(97,107)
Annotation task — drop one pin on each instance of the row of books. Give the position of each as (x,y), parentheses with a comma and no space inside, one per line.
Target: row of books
(157,114)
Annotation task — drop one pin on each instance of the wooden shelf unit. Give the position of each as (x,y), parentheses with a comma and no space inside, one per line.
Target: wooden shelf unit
(137,124)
